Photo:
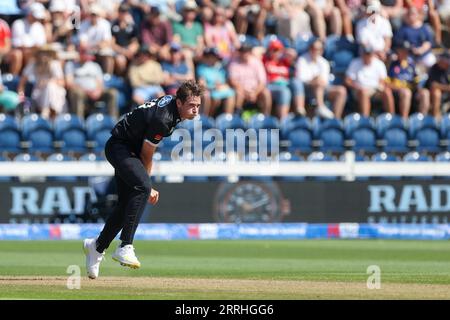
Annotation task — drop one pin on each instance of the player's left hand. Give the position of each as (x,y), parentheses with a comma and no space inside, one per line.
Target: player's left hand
(154,197)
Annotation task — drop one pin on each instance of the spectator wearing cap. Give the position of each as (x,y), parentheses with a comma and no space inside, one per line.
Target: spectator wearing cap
(212,75)
(62,29)
(405,82)
(85,87)
(247,77)
(292,19)
(157,33)
(277,62)
(5,39)
(220,34)
(125,42)
(252,12)
(49,94)
(321,12)
(96,38)
(146,76)
(439,83)
(366,78)
(375,31)
(8,99)
(27,34)
(419,36)
(313,70)
(176,70)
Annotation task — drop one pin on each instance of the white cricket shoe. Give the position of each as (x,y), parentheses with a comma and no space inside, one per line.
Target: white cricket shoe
(126,257)
(324,112)
(93,258)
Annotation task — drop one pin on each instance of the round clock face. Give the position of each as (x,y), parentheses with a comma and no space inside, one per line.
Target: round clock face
(248,202)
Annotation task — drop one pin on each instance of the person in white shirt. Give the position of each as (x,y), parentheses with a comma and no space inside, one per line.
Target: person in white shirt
(96,38)
(313,71)
(366,78)
(26,34)
(374,30)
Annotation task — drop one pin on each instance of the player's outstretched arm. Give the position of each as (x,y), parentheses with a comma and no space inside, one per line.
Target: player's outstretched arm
(147,151)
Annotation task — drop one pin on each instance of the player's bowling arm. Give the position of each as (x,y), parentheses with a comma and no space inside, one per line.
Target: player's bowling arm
(147,151)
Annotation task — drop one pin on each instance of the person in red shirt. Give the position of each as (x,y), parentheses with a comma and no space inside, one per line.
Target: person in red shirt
(5,38)
(277,62)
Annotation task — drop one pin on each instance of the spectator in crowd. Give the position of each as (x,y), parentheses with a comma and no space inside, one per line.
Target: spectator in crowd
(85,86)
(394,10)
(419,36)
(292,19)
(27,34)
(313,70)
(254,12)
(366,78)
(62,29)
(49,94)
(321,12)
(427,8)
(125,41)
(439,83)
(278,61)
(404,82)
(146,76)
(221,34)
(444,12)
(176,70)
(8,99)
(351,11)
(157,33)
(95,37)
(375,31)
(5,39)
(212,75)
(109,8)
(248,79)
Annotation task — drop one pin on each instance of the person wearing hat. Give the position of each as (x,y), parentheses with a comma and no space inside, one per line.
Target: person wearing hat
(27,33)
(176,70)
(61,25)
(439,83)
(366,78)
(49,94)
(248,78)
(212,75)
(125,42)
(404,81)
(146,76)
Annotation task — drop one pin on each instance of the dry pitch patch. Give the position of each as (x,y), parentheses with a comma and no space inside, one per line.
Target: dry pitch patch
(193,288)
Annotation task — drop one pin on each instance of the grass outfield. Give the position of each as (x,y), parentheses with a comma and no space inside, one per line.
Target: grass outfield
(307,269)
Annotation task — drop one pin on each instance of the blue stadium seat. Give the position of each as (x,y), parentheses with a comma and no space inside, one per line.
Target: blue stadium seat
(202,121)
(260,121)
(123,90)
(250,40)
(443,157)
(386,121)
(300,140)
(98,121)
(428,139)
(296,122)
(58,157)
(270,37)
(395,140)
(10,140)
(415,156)
(445,126)
(331,139)
(385,157)
(26,157)
(321,124)
(91,157)
(8,122)
(319,156)
(355,121)
(340,52)
(301,43)
(100,140)
(41,140)
(364,139)
(74,140)
(418,121)
(67,121)
(33,122)
(229,121)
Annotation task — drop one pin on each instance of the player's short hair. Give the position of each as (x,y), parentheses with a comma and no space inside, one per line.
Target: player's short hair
(188,89)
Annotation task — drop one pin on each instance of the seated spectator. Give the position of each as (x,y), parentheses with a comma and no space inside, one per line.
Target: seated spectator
(278,62)
(419,36)
(248,78)
(444,12)
(404,82)
(62,28)
(394,10)
(95,37)
(321,12)
(374,30)
(125,41)
(49,94)
(176,70)
(366,78)
(5,39)
(85,87)
(292,19)
(157,33)
(351,11)
(221,34)
(252,12)
(8,99)
(146,76)
(428,9)
(212,75)
(313,70)
(439,83)
(27,34)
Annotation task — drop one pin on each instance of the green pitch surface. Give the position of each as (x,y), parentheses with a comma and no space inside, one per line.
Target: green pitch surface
(308,269)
